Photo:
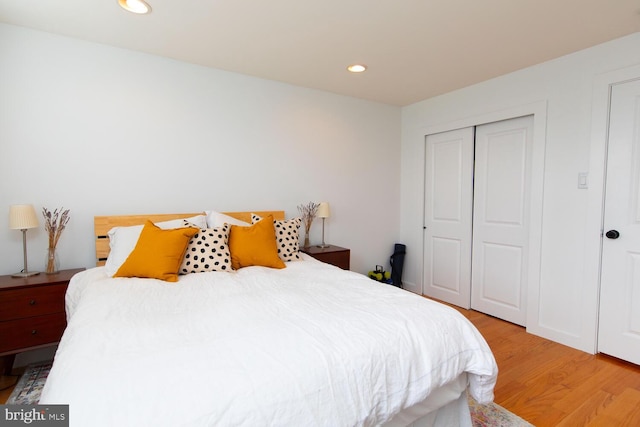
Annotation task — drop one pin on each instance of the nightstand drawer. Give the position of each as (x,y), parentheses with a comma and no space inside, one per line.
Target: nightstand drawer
(32,301)
(331,254)
(339,259)
(31,332)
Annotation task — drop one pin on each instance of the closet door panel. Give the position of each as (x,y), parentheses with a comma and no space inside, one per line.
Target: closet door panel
(447,216)
(500,218)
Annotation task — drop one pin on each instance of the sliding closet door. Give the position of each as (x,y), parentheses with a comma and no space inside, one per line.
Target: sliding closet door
(447,216)
(501,218)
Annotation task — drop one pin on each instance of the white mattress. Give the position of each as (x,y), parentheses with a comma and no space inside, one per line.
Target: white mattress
(307,345)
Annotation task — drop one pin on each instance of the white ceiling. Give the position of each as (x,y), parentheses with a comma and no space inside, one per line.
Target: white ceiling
(415,49)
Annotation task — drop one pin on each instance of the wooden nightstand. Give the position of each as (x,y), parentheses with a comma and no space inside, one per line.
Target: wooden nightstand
(335,255)
(32,312)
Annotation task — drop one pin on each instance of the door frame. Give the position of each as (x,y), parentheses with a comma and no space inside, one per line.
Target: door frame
(595,200)
(539,112)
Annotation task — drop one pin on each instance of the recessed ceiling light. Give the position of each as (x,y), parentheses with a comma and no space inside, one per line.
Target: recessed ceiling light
(135,6)
(357,68)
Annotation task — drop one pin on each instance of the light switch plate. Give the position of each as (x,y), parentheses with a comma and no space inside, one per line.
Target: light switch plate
(582,180)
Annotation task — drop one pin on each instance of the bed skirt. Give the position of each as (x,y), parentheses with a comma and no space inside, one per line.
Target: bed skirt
(446,406)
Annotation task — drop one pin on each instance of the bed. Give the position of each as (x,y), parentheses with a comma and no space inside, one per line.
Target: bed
(308,344)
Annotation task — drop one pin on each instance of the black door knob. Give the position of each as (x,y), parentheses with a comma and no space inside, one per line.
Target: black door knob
(612,234)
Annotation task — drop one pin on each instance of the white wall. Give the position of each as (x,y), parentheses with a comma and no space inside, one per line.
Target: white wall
(103,131)
(567,288)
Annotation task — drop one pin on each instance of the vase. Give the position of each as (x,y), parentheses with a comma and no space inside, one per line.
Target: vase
(307,232)
(51,263)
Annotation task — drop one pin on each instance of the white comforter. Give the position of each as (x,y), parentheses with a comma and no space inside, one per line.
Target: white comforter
(309,345)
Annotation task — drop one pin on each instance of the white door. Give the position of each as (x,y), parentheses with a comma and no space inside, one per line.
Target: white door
(619,319)
(501,218)
(447,216)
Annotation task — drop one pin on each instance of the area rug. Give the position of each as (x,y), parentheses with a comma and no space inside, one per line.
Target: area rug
(494,415)
(28,389)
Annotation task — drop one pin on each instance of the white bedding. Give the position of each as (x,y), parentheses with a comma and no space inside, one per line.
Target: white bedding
(308,345)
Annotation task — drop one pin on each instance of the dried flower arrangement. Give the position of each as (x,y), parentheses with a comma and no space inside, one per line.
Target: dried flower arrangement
(54,224)
(308,213)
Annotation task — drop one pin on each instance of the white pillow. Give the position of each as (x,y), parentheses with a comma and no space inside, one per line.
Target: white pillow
(217,219)
(122,240)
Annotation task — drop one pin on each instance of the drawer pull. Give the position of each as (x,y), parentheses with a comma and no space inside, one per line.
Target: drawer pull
(34,331)
(32,302)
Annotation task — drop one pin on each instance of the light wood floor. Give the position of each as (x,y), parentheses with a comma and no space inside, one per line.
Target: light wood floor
(7,384)
(549,384)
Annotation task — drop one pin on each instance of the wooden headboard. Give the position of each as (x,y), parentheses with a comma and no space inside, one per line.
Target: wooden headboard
(102,225)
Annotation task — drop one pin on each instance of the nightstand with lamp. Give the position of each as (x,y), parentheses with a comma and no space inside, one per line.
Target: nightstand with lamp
(32,312)
(334,255)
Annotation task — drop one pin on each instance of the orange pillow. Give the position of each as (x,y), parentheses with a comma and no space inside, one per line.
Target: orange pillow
(158,253)
(254,245)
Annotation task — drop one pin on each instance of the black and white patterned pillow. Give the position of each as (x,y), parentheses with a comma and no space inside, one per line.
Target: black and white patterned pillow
(208,250)
(287,237)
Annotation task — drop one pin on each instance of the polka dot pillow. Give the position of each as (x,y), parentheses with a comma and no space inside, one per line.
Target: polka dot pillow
(287,237)
(208,250)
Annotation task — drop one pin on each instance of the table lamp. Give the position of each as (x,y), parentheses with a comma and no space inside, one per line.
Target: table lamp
(23,217)
(323,212)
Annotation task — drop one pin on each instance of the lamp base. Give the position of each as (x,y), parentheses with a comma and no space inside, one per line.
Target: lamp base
(323,246)
(27,274)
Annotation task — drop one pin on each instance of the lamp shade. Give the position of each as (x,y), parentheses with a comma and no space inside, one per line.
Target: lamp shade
(323,210)
(22,217)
